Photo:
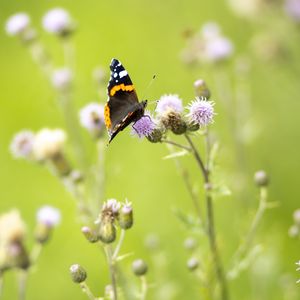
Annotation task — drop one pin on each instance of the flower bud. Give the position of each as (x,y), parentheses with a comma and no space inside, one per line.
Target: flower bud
(173,120)
(89,234)
(192,126)
(155,136)
(261,178)
(126,217)
(107,231)
(61,165)
(190,244)
(78,273)
(139,267)
(201,89)
(42,233)
(192,263)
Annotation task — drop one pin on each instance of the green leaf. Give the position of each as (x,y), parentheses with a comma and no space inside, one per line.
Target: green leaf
(176,154)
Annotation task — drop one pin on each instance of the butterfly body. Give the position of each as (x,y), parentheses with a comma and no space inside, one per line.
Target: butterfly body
(122,107)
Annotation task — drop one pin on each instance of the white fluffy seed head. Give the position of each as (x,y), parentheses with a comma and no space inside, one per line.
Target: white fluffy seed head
(49,216)
(17,24)
(22,144)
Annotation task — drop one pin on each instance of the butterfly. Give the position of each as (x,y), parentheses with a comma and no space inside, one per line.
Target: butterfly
(123,106)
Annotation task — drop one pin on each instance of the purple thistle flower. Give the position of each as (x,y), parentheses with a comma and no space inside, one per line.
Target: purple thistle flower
(144,126)
(201,112)
(169,102)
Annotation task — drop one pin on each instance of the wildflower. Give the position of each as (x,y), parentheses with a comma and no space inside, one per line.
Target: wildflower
(17,24)
(293,231)
(156,135)
(48,143)
(58,21)
(190,244)
(169,102)
(22,144)
(139,267)
(292,8)
(218,49)
(296,216)
(89,234)
(47,218)
(246,8)
(62,79)
(78,273)
(210,30)
(201,89)
(144,127)
(111,205)
(92,118)
(126,216)
(201,112)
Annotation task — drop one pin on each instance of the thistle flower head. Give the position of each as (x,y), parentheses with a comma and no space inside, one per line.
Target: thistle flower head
(17,24)
(169,102)
(58,21)
(48,216)
(12,228)
(22,144)
(201,112)
(111,205)
(218,49)
(62,79)
(48,143)
(92,118)
(144,127)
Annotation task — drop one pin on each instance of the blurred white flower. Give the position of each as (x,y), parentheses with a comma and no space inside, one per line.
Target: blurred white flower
(62,79)
(22,144)
(57,21)
(92,118)
(210,30)
(48,216)
(17,24)
(12,227)
(245,8)
(218,48)
(48,143)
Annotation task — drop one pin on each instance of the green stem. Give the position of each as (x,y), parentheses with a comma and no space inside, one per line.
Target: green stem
(144,287)
(35,252)
(176,144)
(118,247)
(210,222)
(85,288)
(1,284)
(23,274)
(112,272)
(100,173)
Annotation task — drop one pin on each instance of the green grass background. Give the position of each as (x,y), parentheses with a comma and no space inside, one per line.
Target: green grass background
(147,37)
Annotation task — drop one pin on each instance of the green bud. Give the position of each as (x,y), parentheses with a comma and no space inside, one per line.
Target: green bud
(261,178)
(126,217)
(192,263)
(201,89)
(61,165)
(155,136)
(107,231)
(42,233)
(193,127)
(173,120)
(90,234)
(78,273)
(139,267)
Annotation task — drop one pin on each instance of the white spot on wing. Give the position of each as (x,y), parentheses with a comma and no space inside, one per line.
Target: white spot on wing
(123,73)
(115,75)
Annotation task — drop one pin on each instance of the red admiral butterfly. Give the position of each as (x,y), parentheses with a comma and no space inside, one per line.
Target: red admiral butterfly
(123,106)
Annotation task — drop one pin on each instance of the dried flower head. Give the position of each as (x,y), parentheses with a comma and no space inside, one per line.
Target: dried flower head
(48,216)
(201,112)
(48,143)
(62,79)
(58,21)
(22,144)
(12,228)
(144,127)
(169,102)
(92,118)
(17,24)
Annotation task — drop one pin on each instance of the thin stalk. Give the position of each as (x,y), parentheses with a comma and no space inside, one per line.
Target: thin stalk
(35,252)
(112,272)
(144,287)
(176,144)
(69,52)
(218,267)
(1,284)
(85,288)
(118,247)
(262,207)
(22,284)
(100,172)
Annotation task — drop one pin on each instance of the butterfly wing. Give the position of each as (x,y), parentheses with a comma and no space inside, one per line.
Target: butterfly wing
(122,99)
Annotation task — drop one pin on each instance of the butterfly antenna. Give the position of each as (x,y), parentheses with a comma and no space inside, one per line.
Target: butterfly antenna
(148,86)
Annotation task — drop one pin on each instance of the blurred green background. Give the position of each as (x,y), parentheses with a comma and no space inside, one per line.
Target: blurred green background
(148,38)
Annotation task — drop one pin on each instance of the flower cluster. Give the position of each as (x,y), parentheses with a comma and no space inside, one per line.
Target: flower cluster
(170,115)
(207,46)
(44,146)
(13,253)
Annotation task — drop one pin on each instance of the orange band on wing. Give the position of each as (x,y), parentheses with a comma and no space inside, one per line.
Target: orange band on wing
(122,87)
(107,116)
